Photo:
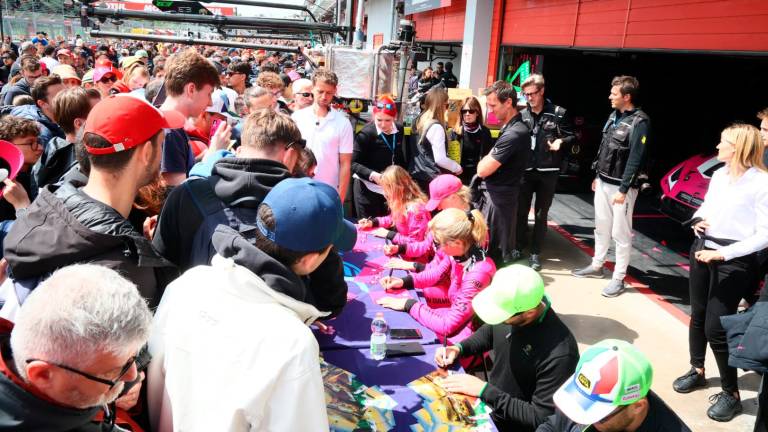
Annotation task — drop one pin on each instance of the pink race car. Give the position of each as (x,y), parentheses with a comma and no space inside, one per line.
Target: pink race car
(684,187)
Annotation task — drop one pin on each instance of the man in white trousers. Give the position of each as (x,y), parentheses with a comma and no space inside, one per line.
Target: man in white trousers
(618,163)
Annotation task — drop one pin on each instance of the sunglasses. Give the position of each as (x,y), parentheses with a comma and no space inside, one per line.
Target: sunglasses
(387,106)
(302,143)
(234,73)
(306,95)
(110,383)
(109,79)
(468,111)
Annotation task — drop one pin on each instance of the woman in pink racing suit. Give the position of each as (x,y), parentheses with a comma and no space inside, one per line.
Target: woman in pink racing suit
(451,280)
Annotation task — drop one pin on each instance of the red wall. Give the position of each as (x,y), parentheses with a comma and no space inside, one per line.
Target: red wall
(444,24)
(737,25)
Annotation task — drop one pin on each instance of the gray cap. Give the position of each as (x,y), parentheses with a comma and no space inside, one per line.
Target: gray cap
(26,45)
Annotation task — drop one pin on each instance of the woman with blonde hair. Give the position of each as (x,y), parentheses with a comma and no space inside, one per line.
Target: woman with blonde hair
(135,76)
(408,214)
(474,136)
(451,280)
(430,157)
(731,227)
(445,191)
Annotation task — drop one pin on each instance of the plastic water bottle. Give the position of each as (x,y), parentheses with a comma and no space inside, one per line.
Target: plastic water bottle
(379,330)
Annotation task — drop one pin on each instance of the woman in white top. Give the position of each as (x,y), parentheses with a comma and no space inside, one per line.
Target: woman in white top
(731,227)
(429,155)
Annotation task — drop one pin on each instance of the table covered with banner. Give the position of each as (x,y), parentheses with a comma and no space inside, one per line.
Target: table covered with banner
(396,393)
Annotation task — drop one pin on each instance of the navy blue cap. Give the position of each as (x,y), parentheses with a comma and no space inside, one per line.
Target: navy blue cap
(308,216)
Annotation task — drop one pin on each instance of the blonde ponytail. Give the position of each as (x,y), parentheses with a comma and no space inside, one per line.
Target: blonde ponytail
(455,224)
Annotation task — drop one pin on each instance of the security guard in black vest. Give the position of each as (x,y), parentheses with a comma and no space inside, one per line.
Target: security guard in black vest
(551,138)
(618,163)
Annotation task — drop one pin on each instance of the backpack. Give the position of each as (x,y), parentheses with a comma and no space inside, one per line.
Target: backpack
(215,213)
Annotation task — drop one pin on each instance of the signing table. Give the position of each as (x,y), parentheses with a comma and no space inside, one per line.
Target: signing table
(348,346)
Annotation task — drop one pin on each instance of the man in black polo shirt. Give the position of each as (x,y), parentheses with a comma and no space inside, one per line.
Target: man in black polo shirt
(611,392)
(502,172)
(534,352)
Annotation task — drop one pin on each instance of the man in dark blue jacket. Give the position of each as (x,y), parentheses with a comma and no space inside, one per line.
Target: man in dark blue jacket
(30,71)
(43,92)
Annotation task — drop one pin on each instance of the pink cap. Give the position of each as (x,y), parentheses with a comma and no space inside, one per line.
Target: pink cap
(441,187)
(102,71)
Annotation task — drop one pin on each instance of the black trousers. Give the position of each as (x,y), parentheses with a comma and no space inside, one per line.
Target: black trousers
(542,184)
(761,422)
(716,290)
(368,203)
(500,211)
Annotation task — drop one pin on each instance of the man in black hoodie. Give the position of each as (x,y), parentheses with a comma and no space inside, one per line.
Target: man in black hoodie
(270,147)
(30,71)
(55,377)
(75,223)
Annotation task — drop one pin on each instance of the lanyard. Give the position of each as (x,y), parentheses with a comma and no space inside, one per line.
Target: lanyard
(391,147)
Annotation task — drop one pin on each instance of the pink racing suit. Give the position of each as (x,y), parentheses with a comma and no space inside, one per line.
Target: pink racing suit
(410,228)
(448,288)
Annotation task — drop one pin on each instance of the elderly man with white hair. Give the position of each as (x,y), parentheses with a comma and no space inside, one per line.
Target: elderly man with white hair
(72,351)
(302,94)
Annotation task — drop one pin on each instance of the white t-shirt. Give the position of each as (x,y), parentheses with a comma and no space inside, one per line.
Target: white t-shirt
(327,137)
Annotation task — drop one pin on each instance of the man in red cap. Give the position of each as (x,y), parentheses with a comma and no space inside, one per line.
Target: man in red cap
(74,223)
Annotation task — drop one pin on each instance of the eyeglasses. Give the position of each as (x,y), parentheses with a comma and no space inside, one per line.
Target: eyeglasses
(387,106)
(229,73)
(302,143)
(468,111)
(109,79)
(528,95)
(34,145)
(110,383)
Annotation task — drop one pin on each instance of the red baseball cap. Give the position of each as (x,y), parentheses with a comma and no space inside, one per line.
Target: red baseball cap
(440,188)
(126,122)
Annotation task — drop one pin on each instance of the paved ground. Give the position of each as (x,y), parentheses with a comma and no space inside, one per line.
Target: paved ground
(660,245)
(640,318)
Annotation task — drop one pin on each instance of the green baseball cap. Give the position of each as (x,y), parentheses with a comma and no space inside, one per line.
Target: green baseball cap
(514,289)
(88,77)
(141,53)
(609,374)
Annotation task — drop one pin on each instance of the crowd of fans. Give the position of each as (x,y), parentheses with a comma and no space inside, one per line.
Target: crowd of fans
(173,220)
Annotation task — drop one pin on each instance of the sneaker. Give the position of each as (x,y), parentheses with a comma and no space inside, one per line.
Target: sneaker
(614,288)
(513,257)
(589,272)
(724,407)
(534,262)
(689,382)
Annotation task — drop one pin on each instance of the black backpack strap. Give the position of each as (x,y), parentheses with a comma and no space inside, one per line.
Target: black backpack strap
(203,196)
(528,120)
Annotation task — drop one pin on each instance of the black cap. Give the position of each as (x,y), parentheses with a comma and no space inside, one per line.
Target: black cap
(240,67)
(288,64)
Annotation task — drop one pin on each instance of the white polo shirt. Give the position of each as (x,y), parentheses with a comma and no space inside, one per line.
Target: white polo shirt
(327,137)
